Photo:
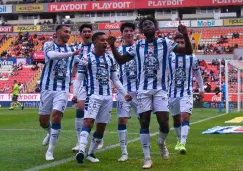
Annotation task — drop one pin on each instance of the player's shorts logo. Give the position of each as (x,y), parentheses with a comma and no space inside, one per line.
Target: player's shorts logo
(60,70)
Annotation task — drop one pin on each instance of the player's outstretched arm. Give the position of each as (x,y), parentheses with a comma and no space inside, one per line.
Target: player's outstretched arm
(199,79)
(121,59)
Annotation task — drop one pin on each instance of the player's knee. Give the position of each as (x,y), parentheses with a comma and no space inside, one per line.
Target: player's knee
(185,117)
(88,123)
(177,119)
(144,123)
(56,116)
(122,121)
(80,105)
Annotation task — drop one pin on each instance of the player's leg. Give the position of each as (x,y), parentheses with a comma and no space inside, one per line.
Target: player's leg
(102,118)
(18,103)
(93,105)
(160,106)
(59,105)
(144,110)
(186,104)
(13,102)
(174,106)
(79,116)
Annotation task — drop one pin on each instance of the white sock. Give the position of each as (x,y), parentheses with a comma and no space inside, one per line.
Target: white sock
(178,132)
(54,134)
(163,137)
(184,132)
(84,139)
(145,141)
(122,136)
(78,127)
(93,145)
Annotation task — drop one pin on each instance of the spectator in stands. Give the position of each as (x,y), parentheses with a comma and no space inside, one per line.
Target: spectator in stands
(193,42)
(208,88)
(223,62)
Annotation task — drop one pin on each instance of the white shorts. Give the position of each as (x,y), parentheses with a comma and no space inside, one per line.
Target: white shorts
(180,104)
(123,107)
(156,100)
(82,94)
(99,108)
(52,100)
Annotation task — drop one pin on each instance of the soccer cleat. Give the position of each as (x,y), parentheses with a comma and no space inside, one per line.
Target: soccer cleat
(123,158)
(92,158)
(147,163)
(100,145)
(182,149)
(49,156)
(11,108)
(46,140)
(76,148)
(177,147)
(80,157)
(164,151)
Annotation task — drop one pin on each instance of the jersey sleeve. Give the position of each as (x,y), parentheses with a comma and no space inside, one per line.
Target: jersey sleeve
(83,63)
(132,51)
(113,65)
(48,46)
(171,45)
(195,65)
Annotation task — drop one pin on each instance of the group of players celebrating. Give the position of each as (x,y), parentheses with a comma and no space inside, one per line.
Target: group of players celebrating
(155,75)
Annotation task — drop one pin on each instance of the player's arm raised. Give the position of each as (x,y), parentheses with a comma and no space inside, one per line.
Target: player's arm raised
(52,54)
(188,46)
(121,59)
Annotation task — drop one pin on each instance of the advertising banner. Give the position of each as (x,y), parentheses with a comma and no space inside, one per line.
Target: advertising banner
(91,6)
(233,22)
(7,61)
(29,8)
(39,55)
(47,28)
(212,97)
(6,29)
(217,3)
(6,9)
(31,28)
(163,24)
(206,23)
(109,26)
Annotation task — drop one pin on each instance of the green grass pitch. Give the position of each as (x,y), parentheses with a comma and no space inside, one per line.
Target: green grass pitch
(21,145)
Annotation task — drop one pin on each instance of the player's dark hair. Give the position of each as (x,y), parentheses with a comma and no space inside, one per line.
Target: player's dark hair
(59,27)
(178,36)
(127,24)
(85,26)
(96,35)
(140,24)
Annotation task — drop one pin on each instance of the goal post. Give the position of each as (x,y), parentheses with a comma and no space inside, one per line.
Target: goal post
(233,85)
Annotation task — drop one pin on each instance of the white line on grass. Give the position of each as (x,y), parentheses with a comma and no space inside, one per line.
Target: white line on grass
(56,163)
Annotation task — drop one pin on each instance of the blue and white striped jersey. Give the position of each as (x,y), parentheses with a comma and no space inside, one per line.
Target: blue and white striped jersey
(152,62)
(57,73)
(181,68)
(97,70)
(128,72)
(85,49)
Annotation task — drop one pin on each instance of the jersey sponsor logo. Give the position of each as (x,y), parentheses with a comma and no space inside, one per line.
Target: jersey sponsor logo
(180,77)
(130,68)
(102,76)
(151,64)
(60,70)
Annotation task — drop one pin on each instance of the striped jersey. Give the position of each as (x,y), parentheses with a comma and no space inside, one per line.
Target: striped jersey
(181,69)
(97,70)
(85,49)
(57,73)
(152,62)
(128,72)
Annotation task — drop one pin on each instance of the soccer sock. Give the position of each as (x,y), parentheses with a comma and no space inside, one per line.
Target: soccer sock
(12,104)
(177,128)
(84,138)
(96,140)
(47,128)
(185,127)
(79,122)
(19,104)
(145,141)
(54,134)
(220,106)
(122,136)
(163,135)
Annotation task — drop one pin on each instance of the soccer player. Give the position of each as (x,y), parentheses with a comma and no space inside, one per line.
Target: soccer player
(221,103)
(152,55)
(86,46)
(128,77)
(15,94)
(98,67)
(55,83)
(181,70)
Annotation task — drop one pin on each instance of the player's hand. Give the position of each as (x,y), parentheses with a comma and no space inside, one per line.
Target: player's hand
(182,29)
(77,52)
(128,97)
(74,99)
(111,39)
(201,94)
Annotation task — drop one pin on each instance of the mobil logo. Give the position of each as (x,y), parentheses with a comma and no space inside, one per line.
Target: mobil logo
(206,23)
(3,8)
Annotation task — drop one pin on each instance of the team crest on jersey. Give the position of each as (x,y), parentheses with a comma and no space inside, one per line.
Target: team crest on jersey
(102,75)
(60,70)
(151,64)
(130,68)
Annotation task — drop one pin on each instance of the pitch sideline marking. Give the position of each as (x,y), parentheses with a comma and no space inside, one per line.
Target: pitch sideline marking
(57,163)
